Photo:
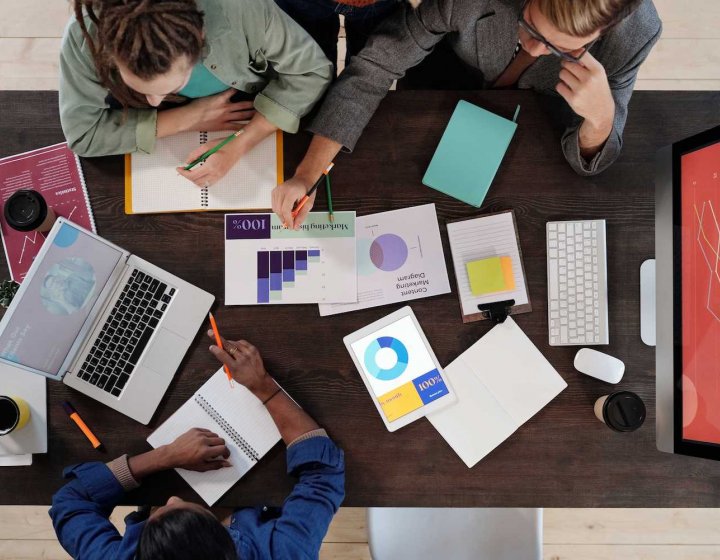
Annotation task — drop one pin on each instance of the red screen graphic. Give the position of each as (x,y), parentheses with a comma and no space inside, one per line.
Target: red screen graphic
(700,203)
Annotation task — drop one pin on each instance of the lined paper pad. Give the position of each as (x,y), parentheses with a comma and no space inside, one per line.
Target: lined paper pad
(482,238)
(242,411)
(501,382)
(154,185)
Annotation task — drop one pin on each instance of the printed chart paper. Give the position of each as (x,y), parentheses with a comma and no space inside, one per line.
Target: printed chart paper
(400,258)
(268,264)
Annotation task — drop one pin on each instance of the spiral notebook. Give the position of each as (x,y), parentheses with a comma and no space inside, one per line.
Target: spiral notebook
(153,185)
(238,417)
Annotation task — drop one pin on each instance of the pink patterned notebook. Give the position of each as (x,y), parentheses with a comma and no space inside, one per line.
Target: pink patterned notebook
(55,173)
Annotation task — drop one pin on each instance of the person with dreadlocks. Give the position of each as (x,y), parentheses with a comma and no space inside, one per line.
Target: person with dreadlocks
(128,67)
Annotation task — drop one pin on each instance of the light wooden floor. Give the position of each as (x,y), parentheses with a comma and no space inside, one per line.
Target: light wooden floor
(569,534)
(687,57)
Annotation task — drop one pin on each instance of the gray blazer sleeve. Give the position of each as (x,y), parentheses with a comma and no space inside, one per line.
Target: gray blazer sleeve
(400,42)
(622,82)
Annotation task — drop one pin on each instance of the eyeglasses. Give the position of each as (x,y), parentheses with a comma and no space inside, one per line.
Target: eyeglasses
(552,48)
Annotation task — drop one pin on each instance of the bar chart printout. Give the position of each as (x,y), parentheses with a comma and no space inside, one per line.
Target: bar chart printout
(268,264)
(277,270)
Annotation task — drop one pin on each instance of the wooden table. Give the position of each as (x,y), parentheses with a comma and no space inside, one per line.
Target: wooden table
(561,457)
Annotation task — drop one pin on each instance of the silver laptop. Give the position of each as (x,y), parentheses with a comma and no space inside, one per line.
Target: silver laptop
(106,322)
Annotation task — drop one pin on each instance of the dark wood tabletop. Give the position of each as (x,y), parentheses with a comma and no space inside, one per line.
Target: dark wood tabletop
(562,457)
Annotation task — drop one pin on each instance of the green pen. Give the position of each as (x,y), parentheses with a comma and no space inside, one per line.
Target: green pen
(329,198)
(212,150)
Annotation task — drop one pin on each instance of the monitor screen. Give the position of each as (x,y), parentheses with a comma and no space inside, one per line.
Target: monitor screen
(59,294)
(700,293)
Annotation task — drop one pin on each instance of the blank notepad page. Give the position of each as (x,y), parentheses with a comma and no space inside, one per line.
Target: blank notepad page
(157,187)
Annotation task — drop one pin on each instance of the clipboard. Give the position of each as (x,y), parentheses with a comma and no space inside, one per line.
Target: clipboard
(479,237)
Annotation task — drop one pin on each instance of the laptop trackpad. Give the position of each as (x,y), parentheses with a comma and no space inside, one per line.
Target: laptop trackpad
(163,352)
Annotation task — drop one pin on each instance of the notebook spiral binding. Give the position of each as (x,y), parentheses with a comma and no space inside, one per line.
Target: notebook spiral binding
(204,203)
(229,430)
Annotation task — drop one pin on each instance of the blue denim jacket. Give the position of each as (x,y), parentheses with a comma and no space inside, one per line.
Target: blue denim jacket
(81,509)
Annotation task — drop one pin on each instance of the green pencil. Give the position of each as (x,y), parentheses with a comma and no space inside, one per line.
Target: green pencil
(329,198)
(211,151)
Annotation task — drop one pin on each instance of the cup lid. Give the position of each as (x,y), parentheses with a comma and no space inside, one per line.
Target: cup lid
(624,411)
(25,210)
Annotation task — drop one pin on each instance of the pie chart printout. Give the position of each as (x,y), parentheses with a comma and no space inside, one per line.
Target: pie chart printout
(388,252)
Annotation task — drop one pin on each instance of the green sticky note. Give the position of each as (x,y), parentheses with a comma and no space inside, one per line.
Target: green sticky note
(486,276)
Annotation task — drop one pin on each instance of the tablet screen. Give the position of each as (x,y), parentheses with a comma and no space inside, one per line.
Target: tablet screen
(399,368)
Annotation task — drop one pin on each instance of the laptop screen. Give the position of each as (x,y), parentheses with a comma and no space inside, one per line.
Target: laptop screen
(700,287)
(58,296)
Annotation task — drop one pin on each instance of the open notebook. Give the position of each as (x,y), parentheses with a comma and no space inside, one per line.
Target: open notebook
(238,417)
(501,382)
(152,184)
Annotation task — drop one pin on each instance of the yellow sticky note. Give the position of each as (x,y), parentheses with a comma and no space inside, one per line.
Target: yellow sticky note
(492,275)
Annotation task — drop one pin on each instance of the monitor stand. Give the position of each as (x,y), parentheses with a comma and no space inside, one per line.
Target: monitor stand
(647,302)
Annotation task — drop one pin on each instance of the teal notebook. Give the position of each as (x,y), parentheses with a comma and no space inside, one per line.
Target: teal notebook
(469,153)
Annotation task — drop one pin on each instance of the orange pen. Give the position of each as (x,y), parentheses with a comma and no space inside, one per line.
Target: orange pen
(218,341)
(82,425)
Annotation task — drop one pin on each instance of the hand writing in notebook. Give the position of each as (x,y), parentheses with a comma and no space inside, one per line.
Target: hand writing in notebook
(199,450)
(218,164)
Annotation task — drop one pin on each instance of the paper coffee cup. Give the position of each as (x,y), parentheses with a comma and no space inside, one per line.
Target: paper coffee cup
(14,414)
(622,411)
(26,210)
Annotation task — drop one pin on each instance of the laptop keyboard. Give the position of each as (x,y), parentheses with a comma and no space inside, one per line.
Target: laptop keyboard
(127,330)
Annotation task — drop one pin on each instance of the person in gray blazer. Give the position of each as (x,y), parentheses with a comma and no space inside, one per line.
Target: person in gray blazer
(586,51)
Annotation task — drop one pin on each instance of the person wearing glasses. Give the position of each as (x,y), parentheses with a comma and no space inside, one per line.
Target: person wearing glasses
(586,51)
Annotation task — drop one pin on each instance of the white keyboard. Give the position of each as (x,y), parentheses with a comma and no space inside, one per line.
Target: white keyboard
(577,283)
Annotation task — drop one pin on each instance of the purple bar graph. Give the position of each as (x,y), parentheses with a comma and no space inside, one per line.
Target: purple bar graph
(279,270)
(288,266)
(276,271)
(263,282)
(301,258)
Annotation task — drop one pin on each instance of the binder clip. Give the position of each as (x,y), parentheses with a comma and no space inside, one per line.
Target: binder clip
(497,311)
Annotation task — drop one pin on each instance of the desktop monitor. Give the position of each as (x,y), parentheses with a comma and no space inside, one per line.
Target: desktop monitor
(687,250)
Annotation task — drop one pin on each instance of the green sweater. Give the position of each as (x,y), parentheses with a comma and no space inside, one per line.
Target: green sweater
(250,45)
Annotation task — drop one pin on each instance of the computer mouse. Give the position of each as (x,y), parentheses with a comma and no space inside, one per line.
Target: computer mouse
(599,365)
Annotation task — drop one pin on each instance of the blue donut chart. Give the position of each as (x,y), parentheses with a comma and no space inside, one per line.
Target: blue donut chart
(401,354)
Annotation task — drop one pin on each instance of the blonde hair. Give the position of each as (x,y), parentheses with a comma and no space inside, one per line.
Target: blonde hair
(581,18)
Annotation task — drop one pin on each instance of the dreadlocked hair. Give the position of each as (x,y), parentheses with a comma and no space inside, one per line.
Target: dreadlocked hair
(147,36)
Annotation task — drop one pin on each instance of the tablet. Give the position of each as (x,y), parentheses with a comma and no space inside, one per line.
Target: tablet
(399,369)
